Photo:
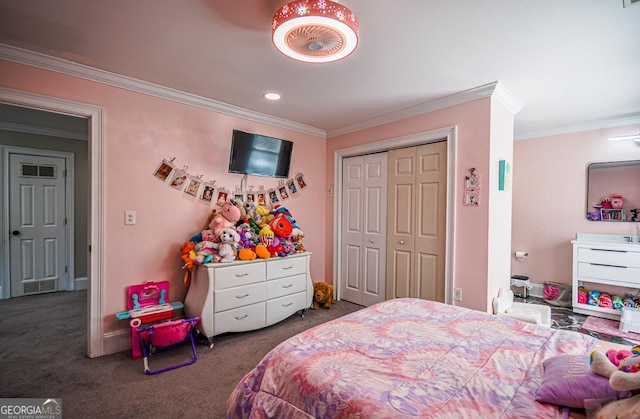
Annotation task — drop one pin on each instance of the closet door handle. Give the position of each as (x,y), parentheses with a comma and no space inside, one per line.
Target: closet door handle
(401,241)
(371,241)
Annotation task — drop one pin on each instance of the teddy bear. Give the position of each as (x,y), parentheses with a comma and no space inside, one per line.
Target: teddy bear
(626,377)
(227,217)
(227,250)
(322,295)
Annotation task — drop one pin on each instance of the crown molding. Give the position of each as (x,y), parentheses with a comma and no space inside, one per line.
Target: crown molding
(51,132)
(475,93)
(607,123)
(47,62)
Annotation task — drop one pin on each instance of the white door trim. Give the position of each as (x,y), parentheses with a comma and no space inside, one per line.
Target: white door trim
(69,212)
(95,115)
(412,140)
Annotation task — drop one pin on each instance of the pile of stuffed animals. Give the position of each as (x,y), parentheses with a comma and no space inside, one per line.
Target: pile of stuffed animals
(244,232)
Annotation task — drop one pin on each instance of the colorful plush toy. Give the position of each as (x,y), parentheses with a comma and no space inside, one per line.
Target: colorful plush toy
(616,356)
(626,377)
(246,254)
(227,248)
(322,295)
(281,226)
(228,217)
(262,252)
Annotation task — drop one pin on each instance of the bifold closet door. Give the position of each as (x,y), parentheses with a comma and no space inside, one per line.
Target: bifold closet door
(416,233)
(364,222)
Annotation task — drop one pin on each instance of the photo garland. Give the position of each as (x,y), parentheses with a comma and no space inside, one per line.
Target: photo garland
(471,189)
(208,192)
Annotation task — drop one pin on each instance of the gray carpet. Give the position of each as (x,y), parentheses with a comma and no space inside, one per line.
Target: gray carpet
(43,355)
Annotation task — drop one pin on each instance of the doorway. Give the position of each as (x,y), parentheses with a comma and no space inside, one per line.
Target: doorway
(94,116)
(446,134)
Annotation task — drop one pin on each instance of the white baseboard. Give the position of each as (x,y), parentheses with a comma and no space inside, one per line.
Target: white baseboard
(115,342)
(81,284)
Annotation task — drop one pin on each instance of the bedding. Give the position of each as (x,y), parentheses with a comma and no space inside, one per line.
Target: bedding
(407,358)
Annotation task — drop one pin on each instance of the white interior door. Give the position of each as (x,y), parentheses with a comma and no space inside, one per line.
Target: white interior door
(416,239)
(364,213)
(37,224)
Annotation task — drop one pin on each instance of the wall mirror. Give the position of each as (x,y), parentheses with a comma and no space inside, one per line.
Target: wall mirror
(613,191)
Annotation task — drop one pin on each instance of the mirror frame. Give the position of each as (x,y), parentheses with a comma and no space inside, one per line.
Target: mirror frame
(626,213)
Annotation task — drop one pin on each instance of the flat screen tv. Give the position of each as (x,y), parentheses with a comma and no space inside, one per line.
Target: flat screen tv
(254,154)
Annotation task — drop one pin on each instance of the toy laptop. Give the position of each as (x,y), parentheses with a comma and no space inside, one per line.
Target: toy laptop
(147,303)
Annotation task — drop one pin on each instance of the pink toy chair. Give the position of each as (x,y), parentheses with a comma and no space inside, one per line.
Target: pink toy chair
(164,336)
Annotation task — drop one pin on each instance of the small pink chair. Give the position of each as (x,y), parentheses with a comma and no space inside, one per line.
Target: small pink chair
(164,336)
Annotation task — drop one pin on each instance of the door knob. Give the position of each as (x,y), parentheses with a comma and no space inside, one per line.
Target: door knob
(15,232)
(371,241)
(401,241)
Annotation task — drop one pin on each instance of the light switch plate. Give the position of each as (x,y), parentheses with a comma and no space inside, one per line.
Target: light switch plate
(129,217)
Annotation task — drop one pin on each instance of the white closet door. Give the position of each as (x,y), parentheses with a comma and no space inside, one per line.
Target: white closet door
(364,220)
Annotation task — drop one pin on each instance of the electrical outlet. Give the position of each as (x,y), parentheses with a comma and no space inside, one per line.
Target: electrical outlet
(457,294)
(129,217)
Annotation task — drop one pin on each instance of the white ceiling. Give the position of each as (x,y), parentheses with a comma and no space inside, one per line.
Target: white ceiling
(572,64)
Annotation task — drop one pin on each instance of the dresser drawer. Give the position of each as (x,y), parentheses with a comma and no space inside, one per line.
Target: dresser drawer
(280,308)
(286,267)
(239,296)
(285,286)
(240,319)
(607,272)
(609,257)
(236,275)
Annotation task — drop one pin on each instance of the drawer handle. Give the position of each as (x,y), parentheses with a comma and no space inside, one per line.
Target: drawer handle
(287,286)
(242,317)
(609,250)
(242,296)
(286,268)
(286,305)
(241,275)
(610,266)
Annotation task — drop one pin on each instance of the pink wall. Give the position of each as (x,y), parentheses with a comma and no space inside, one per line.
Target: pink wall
(139,132)
(549,197)
(473,130)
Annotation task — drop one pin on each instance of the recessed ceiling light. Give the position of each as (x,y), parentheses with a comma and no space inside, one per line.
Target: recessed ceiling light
(272,96)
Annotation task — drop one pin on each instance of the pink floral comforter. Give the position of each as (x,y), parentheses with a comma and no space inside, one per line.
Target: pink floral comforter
(407,358)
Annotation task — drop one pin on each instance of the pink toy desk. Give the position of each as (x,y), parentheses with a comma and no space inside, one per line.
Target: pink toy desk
(147,303)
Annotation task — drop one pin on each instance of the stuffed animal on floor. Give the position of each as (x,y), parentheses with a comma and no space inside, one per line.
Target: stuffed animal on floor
(625,377)
(322,295)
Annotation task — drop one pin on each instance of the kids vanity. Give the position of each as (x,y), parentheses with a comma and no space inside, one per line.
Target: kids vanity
(248,295)
(605,263)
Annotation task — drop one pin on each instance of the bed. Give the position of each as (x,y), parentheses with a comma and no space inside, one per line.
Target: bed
(407,358)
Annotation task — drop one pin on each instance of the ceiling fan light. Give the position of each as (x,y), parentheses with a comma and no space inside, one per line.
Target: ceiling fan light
(315,31)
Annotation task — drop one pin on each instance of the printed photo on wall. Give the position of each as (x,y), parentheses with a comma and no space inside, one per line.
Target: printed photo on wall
(471,198)
(208,192)
(282,193)
(300,181)
(239,197)
(163,170)
(193,186)
(251,197)
(273,197)
(179,179)
(291,184)
(223,196)
(262,198)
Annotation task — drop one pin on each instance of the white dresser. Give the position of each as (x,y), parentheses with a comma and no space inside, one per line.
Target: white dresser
(248,295)
(605,262)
